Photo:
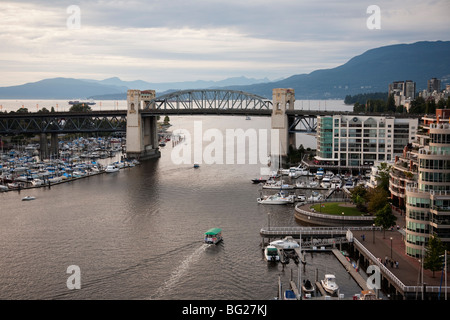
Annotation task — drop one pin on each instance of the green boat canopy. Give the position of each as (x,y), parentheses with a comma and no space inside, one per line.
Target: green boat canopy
(213,231)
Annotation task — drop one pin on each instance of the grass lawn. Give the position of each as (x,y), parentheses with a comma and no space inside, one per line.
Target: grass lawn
(336,208)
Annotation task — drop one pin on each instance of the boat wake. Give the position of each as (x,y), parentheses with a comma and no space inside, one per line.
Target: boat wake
(179,271)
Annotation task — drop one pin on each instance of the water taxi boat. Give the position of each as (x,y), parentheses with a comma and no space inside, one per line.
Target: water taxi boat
(271,253)
(329,284)
(213,236)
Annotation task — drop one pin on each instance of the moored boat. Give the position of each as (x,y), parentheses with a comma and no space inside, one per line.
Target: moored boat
(271,253)
(213,236)
(260,180)
(307,287)
(279,198)
(111,169)
(28,198)
(286,243)
(329,284)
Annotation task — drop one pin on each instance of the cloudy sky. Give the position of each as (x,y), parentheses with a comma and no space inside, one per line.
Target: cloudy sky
(183,40)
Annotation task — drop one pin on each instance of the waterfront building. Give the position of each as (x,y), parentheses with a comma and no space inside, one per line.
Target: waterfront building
(420,182)
(354,141)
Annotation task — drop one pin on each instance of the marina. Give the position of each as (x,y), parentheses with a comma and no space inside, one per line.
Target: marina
(80,158)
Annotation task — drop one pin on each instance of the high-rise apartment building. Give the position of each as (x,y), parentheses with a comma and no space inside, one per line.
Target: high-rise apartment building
(420,182)
(434,84)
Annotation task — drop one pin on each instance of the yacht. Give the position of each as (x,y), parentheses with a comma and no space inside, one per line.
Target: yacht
(286,243)
(329,284)
(336,183)
(326,182)
(28,198)
(111,168)
(278,185)
(279,198)
(315,196)
(319,173)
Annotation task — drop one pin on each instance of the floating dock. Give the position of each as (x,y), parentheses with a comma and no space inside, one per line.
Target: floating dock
(347,265)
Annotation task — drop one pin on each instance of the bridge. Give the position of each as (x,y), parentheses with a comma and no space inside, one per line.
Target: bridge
(143,108)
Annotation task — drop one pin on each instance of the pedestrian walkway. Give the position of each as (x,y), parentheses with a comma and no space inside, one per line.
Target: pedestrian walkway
(379,243)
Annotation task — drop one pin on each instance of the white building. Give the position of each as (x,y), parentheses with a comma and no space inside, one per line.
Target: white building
(353,141)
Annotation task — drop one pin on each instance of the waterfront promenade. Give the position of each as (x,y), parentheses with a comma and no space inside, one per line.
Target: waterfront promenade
(409,268)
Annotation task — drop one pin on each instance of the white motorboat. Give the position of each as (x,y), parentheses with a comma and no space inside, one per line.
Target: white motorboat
(301,198)
(319,173)
(280,185)
(293,173)
(279,198)
(37,182)
(301,184)
(271,253)
(315,196)
(313,184)
(111,168)
(336,183)
(329,284)
(28,198)
(3,188)
(326,182)
(286,243)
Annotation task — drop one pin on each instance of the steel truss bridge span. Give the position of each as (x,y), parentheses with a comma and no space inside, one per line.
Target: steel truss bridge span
(209,99)
(63,122)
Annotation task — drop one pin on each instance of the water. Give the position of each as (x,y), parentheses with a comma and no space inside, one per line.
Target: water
(137,234)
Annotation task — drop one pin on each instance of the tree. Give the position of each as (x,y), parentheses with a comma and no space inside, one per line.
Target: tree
(417,106)
(384,218)
(430,107)
(358,196)
(81,107)
(434,251)
(377,199)
(390,105)
(166,120)
(22,110)
(383,176)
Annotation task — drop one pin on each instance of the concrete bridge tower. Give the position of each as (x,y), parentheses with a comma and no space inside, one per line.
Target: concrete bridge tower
(283,99)
(142,132)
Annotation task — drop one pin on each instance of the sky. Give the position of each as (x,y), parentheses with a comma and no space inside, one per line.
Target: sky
(183,40)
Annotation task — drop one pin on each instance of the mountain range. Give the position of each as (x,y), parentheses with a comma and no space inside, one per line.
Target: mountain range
(371,71)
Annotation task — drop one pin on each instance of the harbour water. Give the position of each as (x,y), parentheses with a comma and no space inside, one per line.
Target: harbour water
(137,233)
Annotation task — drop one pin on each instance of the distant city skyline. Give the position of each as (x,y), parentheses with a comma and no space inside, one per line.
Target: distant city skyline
(172,41)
